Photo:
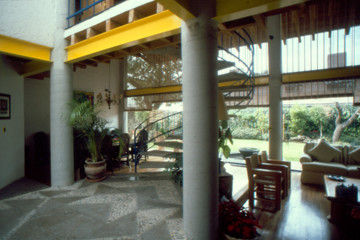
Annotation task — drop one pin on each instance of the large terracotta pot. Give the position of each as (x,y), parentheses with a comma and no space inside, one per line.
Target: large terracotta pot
(95,171)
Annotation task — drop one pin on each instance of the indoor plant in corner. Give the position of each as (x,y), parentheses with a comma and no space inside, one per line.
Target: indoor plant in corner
(84,117)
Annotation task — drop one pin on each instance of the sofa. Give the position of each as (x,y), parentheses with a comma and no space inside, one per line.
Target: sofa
(322,158)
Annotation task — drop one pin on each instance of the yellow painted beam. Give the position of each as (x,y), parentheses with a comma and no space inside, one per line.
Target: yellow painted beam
(34,67)
(152,91)
(150,28)
(328,74)
(319,75)
(24,49)
(179,7)
(263,80)
(228,10)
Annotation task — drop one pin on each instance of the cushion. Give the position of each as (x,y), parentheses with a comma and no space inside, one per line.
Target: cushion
(354,157)
(326,168)
(323,152)
(308,146)
(305,158)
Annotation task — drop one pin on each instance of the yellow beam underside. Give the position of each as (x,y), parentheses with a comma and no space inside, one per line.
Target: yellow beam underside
(178,7)
(156,26)
(228,10)
(24,49)
(34,67)
(337,73)
(151,91)
(320,75)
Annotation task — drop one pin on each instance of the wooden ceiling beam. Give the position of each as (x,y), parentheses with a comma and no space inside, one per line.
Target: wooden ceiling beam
(90,32)
(110,24)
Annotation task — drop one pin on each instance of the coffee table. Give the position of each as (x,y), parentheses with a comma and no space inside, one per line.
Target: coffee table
(340,210)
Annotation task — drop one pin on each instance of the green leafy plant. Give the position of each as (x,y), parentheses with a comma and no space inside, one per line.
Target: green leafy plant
(84,117)
(176,168)
(224,137)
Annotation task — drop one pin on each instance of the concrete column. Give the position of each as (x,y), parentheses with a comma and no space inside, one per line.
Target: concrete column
(61,92)
(275,104)
(200,193)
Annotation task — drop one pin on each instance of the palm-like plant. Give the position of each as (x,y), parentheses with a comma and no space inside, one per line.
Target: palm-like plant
(224,137)
(85,118)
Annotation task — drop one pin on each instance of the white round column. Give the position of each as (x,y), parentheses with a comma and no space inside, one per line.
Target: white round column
(275,104)
(200,183)
(61,92)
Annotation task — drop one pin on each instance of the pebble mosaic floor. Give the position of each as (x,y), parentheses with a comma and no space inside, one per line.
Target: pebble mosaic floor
(148,206)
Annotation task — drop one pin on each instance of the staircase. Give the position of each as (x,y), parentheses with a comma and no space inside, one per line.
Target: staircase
(237,86)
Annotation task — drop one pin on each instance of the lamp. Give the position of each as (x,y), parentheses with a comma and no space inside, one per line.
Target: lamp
(107,96)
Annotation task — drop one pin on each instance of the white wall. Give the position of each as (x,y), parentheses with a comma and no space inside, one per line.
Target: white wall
(96,79)
(12,141)
(30,20)
(36,106)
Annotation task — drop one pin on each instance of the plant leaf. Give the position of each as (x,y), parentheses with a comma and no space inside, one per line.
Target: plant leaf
(224,124)
(226,151)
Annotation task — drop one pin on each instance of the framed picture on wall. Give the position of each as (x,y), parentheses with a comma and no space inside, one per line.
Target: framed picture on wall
(5,106)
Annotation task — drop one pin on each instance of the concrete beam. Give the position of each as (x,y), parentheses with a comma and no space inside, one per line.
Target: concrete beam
(180,8)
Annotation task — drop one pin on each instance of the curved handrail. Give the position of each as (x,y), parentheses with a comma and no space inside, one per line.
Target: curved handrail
(139,150)
(249,81)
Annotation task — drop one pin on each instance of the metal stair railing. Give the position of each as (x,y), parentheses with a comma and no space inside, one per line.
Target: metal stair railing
(245,68)
(162,127)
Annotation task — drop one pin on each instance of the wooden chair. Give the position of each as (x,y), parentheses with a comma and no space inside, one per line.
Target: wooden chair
(265,184)
(284,164)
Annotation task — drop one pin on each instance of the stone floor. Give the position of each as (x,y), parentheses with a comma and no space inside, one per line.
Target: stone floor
(121,207)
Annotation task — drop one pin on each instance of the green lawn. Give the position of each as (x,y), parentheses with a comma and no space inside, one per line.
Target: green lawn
(291,150)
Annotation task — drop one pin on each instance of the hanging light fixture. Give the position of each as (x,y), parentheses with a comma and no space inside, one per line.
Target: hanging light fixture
(110,99)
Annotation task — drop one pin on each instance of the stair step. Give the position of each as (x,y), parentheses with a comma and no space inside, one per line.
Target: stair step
(220,65)
(231,76)
(175,137)
(237,98)
(170,144)
(160,153)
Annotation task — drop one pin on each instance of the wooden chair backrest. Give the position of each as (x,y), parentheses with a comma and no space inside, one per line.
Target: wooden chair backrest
(251,163)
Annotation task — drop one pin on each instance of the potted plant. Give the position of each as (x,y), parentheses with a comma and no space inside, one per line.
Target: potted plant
(236,222)
(224,136)
(84,117)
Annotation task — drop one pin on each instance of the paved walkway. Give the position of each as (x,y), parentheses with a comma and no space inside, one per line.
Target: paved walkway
(121,207)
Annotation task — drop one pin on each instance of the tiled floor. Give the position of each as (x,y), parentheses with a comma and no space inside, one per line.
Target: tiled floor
(121,207)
